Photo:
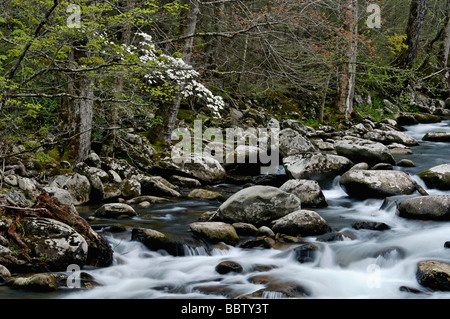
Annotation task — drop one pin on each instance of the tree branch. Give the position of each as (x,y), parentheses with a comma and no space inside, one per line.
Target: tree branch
(25,49)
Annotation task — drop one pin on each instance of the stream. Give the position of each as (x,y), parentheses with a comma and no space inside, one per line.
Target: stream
(375,264)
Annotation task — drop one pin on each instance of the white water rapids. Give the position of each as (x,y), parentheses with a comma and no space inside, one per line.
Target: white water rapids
(373,265)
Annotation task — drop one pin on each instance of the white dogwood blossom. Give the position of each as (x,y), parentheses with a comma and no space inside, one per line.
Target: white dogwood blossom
(175,70)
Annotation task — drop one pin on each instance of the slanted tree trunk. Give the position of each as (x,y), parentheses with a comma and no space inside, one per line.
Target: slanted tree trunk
(347,69)
(169,111)
(417,12)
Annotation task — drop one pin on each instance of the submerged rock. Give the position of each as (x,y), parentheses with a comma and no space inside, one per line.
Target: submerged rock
(426,207)
(258,205)
(377,183)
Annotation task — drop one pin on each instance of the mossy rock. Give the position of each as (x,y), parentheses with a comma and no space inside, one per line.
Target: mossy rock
(437,177)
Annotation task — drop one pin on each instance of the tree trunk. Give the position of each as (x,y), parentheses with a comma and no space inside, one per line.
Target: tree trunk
(347,70)
(417,12)
(446,46)
(78,117)
(169,112)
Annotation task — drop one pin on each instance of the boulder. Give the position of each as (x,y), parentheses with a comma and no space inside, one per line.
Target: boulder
(205,194)
(436,207)
(184,181)
(258,205)
(301,222)
(316,166)
(115,210)
(245,229)
(131,188)
(363,224)
(434,274)
(62,196)
(437,137)
(54,242)
(157,186)
(204,168)
(120,166)
(77,185)
(228,266)
(4,273)
(292,143)
(28,187)
(377,183)
(157,241)
(93,160)
(42,282)
(360,150)
(437,177)
(309,192)
(388,137)
(215,232)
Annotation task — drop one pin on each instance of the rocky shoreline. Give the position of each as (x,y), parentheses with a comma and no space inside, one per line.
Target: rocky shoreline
(41,232)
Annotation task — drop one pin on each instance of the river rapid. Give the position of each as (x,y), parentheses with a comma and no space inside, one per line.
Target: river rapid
(375,264)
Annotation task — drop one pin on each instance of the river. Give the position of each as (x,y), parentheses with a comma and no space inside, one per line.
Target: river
(375,264)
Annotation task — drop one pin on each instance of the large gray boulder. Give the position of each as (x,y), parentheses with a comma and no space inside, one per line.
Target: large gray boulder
(388,137)
(76,184)
(292,143)
(361,150)
(316,166)
(309,192)
(56,243)
(258,205)
(435,207)
(301,222)
(437,177)
(377,183)
(204,168)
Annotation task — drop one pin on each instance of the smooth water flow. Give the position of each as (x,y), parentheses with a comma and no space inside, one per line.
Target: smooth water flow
(372,264)
(375,264)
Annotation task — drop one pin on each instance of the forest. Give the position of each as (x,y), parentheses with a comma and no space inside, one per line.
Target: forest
(73,73)
(116,181)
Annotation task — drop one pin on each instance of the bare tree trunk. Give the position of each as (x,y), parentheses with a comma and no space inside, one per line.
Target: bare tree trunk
(169,112)
(78,113)
(417,12)
(446,46)
(347,70)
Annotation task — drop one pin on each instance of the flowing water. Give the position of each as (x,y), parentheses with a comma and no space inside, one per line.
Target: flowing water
(375,264)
